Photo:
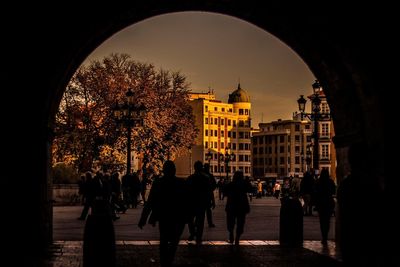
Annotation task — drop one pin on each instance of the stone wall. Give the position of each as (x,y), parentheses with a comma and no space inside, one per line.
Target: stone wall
(66,194)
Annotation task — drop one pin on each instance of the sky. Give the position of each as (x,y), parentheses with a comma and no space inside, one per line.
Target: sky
(217,51)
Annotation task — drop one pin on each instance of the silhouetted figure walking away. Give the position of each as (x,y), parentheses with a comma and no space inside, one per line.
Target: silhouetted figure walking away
(200,199)
(237,206)
(324,191)
(213,186)
(167,204)
(307,188)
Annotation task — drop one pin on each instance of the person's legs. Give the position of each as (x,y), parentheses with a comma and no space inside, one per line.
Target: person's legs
(230,224)
(209,217)
(241,220)
(199,223)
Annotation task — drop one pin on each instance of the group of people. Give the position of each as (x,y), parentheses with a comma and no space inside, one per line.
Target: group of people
(174,202)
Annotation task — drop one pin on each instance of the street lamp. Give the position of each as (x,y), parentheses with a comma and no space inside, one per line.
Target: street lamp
(314,116)
(228,157)
(130,115)
(209,156)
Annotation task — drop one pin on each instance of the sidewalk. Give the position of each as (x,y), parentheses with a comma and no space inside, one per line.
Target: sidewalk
(252,253)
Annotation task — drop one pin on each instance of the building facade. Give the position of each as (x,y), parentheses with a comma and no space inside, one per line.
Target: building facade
(224,132)
(284,148)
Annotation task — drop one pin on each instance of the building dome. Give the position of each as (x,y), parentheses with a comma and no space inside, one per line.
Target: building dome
(239,95)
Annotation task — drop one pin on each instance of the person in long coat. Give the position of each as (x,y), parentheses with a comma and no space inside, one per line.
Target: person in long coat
(167,206)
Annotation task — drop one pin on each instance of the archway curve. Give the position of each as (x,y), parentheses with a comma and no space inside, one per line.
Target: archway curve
(338,50)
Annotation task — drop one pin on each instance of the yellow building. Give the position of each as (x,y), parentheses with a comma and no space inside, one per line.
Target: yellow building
(224,130)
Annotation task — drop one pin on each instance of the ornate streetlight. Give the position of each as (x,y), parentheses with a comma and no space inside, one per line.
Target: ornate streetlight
(209,156)
(228,157)
(130,115)
(314,116)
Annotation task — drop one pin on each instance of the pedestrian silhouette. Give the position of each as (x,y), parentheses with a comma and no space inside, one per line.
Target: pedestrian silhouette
(200,199)
(213,186)
(237,206)
(167,205)
(324,192)
(307,188)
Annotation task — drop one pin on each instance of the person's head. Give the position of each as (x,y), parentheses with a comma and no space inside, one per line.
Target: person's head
(237,176)
(198,166)
(169,168)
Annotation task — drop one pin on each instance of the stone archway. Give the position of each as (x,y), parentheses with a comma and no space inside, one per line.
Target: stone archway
(43,54)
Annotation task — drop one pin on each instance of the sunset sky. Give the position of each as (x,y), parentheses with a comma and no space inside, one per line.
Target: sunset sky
(214,50)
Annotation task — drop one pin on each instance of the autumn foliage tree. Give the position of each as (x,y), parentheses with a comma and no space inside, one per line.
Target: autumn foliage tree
(86,130)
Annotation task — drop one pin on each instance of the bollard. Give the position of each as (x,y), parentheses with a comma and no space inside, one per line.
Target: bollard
(291,223)
(99,239)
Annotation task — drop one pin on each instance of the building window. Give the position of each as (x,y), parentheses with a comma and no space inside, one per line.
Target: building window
(233,134)
(297,127)
(222,145)
(234,146)
(229,133)
(234,123)
(325,152)
(281,160)
(215,121)
(215,109)
(246,111)
(246,169)
(254,150)
(246,146)
(206,144)
(206,108)
(281,149)
(307,126)
(282,138)
(222,109)
(241,159)
(222,133)
(261,140)
(229,122)
(211,121)
(241,146)
(222,121)
(297,169)
(215,145)
(297,149)
(297,160)
(308,138)
(241,123)
(206,121)
(215,133)
(240,111)
(206,133)
(241,135)
(211,132)
(246,135)
(325,130)
(246,158)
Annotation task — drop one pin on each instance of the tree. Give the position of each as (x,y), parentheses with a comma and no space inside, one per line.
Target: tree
(86,131)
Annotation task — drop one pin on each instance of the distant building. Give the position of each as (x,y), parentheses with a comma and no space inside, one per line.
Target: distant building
(223,128)
(283,148)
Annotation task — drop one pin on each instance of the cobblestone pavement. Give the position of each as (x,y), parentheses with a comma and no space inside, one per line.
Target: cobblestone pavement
(251,253)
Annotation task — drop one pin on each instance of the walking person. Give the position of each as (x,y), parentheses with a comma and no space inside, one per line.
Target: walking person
(213,186)
(325,191)
(307,188)
(167,205)
(200,199)
(237,206)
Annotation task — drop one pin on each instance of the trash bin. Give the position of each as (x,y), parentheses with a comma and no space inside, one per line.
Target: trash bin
(291,222)
(99,240)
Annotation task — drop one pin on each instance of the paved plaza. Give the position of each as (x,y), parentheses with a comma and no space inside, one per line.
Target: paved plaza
(259,245)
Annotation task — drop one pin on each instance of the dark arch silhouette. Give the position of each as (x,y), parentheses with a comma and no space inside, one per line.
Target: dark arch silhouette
(43,46)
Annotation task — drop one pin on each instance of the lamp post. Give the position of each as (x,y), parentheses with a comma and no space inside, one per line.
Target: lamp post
(228,157)
(130,115)
(314,116)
